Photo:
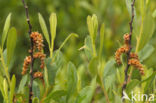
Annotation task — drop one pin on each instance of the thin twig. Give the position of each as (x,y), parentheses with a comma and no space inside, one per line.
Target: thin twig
(31,53)
(128,54)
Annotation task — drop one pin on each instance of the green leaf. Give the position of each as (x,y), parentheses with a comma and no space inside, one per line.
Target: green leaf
(149,78)
(11,43)
(72,79)
(12,88)
(90,26)
(51,70)
(146,52)
(88,47)
(6,28)
(86,94)
(5,56)
(109,74)
(109,81)
(22,83)
(36,89)
(132,85)
(109,68)
(35,100)
(46,77)
(53,24)
(1,86)
(56,95)
(101,39)
(80,76)
(44,28)
(148,88)
(95,25)
(59,58)
(148,30)
(93,66)
(5,87)
(92,23)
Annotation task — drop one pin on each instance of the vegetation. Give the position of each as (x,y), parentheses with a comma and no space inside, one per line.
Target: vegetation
(63,51)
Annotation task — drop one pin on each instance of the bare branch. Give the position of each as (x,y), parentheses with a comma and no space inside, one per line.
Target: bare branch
(31,53)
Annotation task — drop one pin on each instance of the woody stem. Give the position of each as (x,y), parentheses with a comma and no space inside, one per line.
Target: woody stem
(128,54)
(31,53)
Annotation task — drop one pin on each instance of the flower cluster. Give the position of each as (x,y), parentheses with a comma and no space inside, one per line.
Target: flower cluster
(137,64)
(38,75)
(27,61)
(37,40)
(118,53)
(134,60)
(134,56)
(37,53)
(126,39)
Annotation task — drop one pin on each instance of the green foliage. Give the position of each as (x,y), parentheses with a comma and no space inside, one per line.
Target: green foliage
(92,76)
(52,69)
(22,83)
(72,80)
(44,28)
(12,88)
(11,43)
(86,93)
(131,85)
(5,29)
(56,95)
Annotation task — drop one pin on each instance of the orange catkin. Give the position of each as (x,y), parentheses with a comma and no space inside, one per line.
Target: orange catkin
(123,49)
(37,48)
(119,52)
(134,56)
(38,75)
(26,63)
(38,40)
(137,64)
(126,38)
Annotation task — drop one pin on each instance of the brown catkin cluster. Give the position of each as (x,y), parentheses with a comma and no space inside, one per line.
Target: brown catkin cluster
(37,48)
(134,56)
(126,39)
(118,53)
(38,75)
(26,63)
(137,64)
(134,60)
(37,40)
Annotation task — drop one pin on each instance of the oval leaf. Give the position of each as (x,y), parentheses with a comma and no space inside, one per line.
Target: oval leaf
(44,28)
(53,24)
(72,79)
(11,43)
(12,88)
(6,28)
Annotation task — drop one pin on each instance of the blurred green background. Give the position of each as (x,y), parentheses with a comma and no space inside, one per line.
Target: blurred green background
(71,16)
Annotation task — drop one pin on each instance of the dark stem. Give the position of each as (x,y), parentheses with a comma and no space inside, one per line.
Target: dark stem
(128,54)
(31,53)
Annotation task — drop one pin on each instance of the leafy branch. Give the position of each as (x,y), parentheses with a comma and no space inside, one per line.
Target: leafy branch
(128,53)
